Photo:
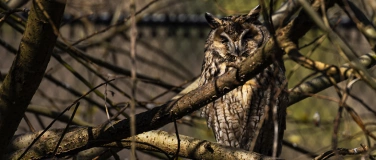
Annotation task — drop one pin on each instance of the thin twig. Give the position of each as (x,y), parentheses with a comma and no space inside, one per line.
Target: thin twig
(114,154)
(337,120)
(50,125)
(40,121)
(116,24)
(152,63)
(276,118)
(176,156)
(66,128)
(119,112)
(342,151)
(133,33)
(298,149)
(11,11)
(105,102)
(170,90)
(29,124)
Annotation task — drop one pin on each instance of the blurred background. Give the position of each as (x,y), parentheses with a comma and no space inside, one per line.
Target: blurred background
(170,46)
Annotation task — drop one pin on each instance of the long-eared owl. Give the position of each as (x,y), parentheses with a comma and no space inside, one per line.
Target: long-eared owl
(246,112)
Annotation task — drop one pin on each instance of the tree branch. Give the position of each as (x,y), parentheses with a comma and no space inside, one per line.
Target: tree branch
(28,67)
(159,141)
(322,82)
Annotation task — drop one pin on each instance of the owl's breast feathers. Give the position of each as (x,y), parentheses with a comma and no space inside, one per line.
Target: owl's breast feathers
(235,117)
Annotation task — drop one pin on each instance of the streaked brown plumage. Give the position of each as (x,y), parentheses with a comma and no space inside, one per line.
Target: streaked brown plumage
(235,117)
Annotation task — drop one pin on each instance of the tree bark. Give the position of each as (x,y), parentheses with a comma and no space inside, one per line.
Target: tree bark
(28,66)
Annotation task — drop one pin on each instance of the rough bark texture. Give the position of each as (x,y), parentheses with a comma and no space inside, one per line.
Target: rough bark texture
(152,141)
(28,66)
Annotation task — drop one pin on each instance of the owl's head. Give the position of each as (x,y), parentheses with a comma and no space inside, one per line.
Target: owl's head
(234,38)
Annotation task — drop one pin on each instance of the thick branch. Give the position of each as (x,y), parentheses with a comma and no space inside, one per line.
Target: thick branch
(282,16)
(28,67)
(322,82)
(159,141)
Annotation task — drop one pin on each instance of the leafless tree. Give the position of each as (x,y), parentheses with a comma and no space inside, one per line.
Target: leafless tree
(109,81)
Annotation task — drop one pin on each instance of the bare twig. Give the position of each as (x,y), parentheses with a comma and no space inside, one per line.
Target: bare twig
(105,102)
(48,112)
(116,24)
(133,33)
(299,149)
(176,156)
(29,124)
(50,125)
(66,128)
(119,112)
(342,151)
(357,16)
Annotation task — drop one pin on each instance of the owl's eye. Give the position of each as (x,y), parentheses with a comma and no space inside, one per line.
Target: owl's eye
(224,39)
(248,36)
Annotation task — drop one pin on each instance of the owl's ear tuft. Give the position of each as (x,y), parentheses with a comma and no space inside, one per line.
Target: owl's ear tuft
(254,13)
(214,22)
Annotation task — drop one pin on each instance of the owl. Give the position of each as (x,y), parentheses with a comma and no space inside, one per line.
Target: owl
(244,114)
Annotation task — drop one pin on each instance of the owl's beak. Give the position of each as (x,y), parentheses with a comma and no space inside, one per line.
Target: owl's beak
(237,50)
